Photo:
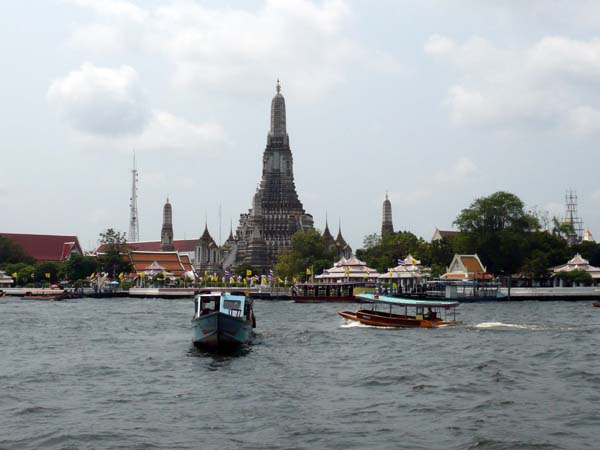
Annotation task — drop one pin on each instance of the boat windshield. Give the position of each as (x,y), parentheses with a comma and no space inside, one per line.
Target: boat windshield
(205,304)
(233,305)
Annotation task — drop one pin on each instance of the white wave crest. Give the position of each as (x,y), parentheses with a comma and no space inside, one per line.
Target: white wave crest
(355,324)
(506,325)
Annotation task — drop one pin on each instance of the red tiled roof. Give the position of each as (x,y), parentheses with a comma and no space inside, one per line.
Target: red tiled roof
(471,264)
(181,245)
(46,247)
(187,264)
(171,262)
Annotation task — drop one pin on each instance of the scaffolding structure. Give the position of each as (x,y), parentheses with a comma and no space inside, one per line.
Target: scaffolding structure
(134,226)
(572,218)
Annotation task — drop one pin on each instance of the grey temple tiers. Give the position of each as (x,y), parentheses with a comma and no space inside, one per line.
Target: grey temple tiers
(276,212)
(267,227)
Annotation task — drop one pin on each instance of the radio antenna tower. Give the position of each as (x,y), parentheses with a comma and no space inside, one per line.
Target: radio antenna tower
(572,218)
(134,225)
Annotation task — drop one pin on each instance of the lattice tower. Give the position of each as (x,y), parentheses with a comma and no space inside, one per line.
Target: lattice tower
(134,225)
(572,218)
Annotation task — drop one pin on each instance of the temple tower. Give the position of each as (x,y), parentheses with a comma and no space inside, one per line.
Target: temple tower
(342,248)
(327,237)
(208,256)
(166,233)
(277,212)
(387,227)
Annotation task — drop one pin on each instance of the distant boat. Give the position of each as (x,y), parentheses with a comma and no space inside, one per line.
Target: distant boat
(597,304)
(330,292)
(222,321)
(48,297)
(423,313)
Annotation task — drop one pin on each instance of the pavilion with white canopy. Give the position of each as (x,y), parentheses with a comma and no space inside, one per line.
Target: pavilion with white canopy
(348,270)
(578,262)
(407,275)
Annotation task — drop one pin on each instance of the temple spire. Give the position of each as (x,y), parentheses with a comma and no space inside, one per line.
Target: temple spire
(278,131)
(166,234)
(387,227)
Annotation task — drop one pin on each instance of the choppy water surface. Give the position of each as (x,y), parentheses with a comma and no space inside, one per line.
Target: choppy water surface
(121,373)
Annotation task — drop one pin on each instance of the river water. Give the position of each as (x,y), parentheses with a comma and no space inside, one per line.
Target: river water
(121,373)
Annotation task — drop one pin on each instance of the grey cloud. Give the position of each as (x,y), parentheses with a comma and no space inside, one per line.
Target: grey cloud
(101,101)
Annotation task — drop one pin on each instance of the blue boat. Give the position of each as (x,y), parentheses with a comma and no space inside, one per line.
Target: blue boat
(222,321)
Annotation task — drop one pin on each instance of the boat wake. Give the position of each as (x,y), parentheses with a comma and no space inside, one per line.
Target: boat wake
(354,324)
(502,325)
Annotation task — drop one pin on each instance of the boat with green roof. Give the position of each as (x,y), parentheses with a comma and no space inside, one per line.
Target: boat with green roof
(416,314)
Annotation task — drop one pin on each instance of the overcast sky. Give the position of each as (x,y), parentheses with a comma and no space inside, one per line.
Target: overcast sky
(436,101)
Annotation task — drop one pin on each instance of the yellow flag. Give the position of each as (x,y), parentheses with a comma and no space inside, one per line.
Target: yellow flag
(121,276)
(47,274)
(308,271)
(93,274)
(14,274)
(142,275)
(391,274)
(248,273)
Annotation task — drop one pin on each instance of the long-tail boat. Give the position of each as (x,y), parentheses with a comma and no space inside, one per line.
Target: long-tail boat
(55,296)
(422,313)
(222,321)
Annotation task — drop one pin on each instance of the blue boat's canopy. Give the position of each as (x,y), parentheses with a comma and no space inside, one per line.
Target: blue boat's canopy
(407,302)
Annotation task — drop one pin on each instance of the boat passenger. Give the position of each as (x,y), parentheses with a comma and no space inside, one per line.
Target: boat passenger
(431,315)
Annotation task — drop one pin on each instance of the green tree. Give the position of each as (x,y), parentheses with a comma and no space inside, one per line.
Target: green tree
(308,250)
(496,227)
(114,259)
(577,276)
(589,250)
(382,253)
(501,211)
(23,271)
(12,252)
(79,267)
(441,253)
(42,268)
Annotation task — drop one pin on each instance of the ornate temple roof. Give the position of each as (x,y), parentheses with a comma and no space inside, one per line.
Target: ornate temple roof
(154,262)
(408,267)
(339,240)
(351,268)
(466,267)
(206,237)
(327,236)
(181,245)
(578,262)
